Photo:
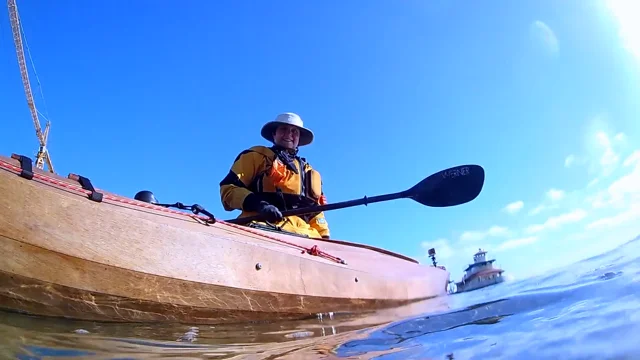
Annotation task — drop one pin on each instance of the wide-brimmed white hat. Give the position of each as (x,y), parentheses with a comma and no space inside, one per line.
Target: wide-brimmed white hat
(306,135)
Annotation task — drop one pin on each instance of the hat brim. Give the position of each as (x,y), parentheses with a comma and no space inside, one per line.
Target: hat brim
(306,135)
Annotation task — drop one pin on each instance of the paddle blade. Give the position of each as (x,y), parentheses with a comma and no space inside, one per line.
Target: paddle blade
(450,187)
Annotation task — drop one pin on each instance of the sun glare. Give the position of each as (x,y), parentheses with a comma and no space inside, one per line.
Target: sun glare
(627,13)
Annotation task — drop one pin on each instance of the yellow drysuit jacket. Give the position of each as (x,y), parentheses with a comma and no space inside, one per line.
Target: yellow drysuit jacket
(280,178)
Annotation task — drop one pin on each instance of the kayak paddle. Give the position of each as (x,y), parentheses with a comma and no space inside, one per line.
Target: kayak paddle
(450,187)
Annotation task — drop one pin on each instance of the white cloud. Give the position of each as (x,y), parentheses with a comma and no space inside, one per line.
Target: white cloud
(631,214)
(624,190)
(542,33)
(598,201)
(604,149)
(609,157)
(632,159)
(514,207)
(443,250)
(620,137)
(603,139)
(481,235)
(569,160)
(515,243)
(604,152)
(555,194)
(555,222)
(540,208)
(536,210)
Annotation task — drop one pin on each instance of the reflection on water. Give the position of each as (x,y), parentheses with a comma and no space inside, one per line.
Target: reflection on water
(585,311)
(35,338)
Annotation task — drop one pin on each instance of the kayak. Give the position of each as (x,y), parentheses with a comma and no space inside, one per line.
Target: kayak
(72,250)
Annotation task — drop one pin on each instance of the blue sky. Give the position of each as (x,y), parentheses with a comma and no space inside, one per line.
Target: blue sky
(163,97)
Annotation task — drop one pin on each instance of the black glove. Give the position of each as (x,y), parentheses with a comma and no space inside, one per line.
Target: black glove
(270,212)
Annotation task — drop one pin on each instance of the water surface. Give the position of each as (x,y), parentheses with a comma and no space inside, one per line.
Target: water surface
(589,310)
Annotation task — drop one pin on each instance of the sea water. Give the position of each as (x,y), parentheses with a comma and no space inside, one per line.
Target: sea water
(588,310)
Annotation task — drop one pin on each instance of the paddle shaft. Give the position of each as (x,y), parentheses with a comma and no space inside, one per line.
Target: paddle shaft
(339,205)
(449,187)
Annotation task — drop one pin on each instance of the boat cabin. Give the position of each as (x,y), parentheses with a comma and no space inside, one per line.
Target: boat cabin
(481,270)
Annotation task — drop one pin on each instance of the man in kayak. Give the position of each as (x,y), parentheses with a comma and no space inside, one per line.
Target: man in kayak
(267,180)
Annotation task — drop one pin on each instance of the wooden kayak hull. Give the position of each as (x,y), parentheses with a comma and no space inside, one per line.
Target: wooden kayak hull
(123,260)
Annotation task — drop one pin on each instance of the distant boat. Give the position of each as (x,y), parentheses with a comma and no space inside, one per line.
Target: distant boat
(479,274)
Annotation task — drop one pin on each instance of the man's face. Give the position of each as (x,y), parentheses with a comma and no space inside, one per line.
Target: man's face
(287,136)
